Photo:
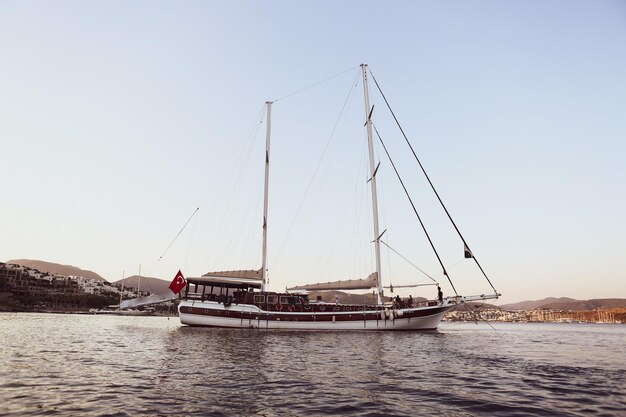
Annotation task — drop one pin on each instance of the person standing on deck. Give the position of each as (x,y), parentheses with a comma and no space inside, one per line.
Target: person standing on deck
(439,294)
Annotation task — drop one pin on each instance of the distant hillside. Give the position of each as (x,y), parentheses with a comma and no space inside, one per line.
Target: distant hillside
(529,305)
(149,284)
(478,306)
(56,269)
(565,303)
(603,304)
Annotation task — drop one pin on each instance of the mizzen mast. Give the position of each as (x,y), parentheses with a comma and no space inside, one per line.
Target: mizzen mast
(373,169)
(268,105)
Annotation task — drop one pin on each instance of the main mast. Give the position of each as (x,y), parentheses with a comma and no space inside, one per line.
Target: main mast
(370,146)
(268,105)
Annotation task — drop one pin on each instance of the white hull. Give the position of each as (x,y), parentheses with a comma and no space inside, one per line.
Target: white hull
(212,314)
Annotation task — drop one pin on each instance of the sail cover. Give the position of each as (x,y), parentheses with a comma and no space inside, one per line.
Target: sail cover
(245,273)
(250,277)
(349,284)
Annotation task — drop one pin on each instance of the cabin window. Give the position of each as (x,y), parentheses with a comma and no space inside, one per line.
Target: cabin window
(272,299)
(284,300)
(259,299)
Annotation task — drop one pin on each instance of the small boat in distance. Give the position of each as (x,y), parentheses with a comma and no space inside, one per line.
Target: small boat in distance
(240,299)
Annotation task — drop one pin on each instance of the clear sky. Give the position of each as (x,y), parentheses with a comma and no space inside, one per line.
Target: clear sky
(118,119)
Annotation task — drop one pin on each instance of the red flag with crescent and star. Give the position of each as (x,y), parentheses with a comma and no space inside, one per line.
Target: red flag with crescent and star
(178,283)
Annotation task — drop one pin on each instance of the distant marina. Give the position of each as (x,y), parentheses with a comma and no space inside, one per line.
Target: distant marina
(539,315)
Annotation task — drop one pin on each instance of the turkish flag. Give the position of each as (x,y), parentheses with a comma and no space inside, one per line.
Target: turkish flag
(178,283)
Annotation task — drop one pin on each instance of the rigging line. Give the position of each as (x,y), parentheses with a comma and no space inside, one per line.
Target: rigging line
(383,213)
(409,262)
(315,84)
(181,230)
(240,169)
(319,163)
(430,182)
(477,316)
(193,233)
(240,148)
(358,225)
(389,265)
(432,245)
(235,161)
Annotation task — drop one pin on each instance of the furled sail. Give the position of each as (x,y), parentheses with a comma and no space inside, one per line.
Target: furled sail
(349,284)
(250,277)
(244,273)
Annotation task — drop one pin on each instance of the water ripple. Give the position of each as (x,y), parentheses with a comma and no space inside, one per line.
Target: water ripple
(68,365)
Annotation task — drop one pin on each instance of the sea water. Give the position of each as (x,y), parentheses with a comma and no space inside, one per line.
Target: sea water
(81,365)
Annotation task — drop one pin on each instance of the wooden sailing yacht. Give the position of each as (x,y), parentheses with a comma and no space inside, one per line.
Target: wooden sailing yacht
(240,299)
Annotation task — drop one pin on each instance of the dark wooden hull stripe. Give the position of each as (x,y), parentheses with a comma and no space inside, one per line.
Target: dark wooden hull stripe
(308,317)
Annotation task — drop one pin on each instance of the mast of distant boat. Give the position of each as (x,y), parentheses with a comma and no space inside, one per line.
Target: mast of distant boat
(268,105)
(373,169)
(122,291)
(139,281)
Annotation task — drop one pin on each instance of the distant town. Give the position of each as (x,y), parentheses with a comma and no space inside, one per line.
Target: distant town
(538,315)
(24,288)
(28,289)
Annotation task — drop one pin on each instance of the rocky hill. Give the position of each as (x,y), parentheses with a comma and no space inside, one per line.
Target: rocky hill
(602,304)
(56,269)
(148,284)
